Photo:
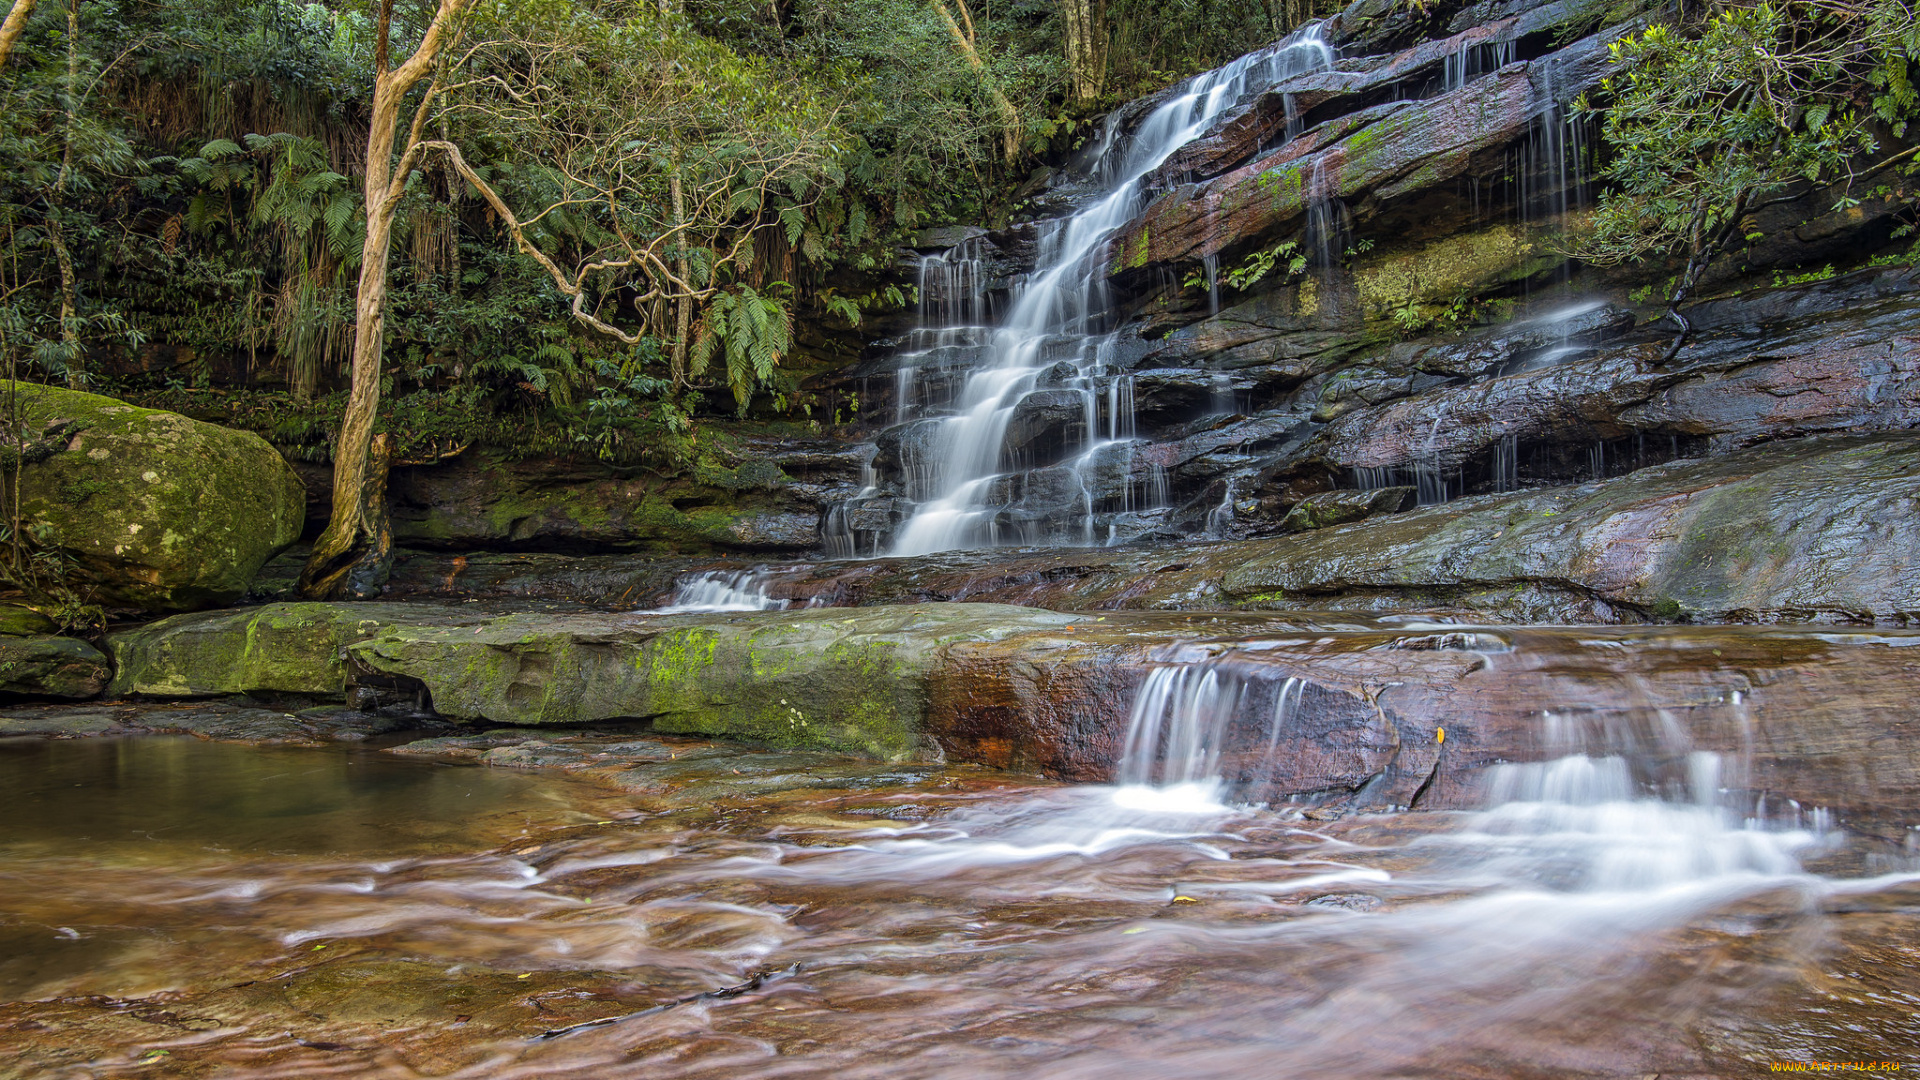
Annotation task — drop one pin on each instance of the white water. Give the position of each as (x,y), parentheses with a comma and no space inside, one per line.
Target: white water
(967,485)
(718,590)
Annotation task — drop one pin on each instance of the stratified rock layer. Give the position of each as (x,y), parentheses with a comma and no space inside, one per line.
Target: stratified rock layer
(1821,529)
(1331,710)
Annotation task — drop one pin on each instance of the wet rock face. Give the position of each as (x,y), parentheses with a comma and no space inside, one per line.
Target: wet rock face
(1749,536)
(159,512)
(771,502)
(1366,709)
(1340,507)
(1321,709)
(1817,529)
(1045,424)
(1837,371)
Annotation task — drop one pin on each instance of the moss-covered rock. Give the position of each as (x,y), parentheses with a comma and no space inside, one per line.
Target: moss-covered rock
(845,680)
(1332,508)
(42,665)
(1420,282)
(159,511)
(17,621)
(286,648)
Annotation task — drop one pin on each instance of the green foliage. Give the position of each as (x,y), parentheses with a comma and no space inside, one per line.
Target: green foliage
(1758,103)
(1256,266)
(203,164)
(751,332)
(1153,42)
(1413,318)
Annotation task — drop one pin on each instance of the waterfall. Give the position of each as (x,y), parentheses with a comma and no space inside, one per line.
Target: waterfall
(716,590)
(964,476)
(1183,720)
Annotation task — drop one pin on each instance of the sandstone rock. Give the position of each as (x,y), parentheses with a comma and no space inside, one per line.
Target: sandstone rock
(1340,507)
(1752,536)
(1403,150)
(851,681)
(276,648)
(1755,536)
(1850,372)
(946,236)
(1820,717)
(1045,423)
(158,511)
(41,665)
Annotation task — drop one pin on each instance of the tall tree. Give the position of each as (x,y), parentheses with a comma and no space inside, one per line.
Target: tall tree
(15,25)
(965,41)
(353,557)
(1085,22)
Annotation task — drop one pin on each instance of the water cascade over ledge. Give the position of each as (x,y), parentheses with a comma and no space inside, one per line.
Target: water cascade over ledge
(980,474)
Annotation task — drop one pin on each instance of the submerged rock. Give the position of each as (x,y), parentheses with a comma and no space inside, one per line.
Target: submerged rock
(158,511)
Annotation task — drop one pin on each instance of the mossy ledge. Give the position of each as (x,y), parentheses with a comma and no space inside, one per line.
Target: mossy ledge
(851,681)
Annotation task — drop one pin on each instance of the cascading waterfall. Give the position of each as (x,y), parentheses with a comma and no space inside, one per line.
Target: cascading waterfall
(717,590)
(1054,331)
(1182,723)
(1627,804)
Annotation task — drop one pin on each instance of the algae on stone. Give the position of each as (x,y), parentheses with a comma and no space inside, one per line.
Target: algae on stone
(287,648)
(42,665)
(849,680)
(159,511)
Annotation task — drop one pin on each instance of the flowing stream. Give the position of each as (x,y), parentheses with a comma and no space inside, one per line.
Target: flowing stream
(1626,905)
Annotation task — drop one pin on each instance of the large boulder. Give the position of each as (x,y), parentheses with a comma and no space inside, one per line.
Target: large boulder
(45,666)
(158,511)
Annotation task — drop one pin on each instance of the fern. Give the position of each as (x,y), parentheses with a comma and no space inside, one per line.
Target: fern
(750,331)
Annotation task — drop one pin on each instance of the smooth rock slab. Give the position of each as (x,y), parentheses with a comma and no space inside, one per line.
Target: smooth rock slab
(1823,529)
(294,648)
(845,680)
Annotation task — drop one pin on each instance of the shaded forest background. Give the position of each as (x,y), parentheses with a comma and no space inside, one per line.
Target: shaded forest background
(181,208)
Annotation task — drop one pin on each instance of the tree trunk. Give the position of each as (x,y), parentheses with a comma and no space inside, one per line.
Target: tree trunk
(1009,116)
(353,557)
(1086,48)
(70,346)
(683,308)
(11,29)
(1706,245)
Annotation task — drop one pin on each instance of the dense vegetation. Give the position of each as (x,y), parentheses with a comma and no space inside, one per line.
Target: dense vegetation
(182,214)
(1714,117)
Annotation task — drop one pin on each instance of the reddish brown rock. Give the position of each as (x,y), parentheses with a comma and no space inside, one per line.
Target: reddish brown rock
(1819,718)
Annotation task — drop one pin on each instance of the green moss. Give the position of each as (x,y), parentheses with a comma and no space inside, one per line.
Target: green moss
(127,500)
